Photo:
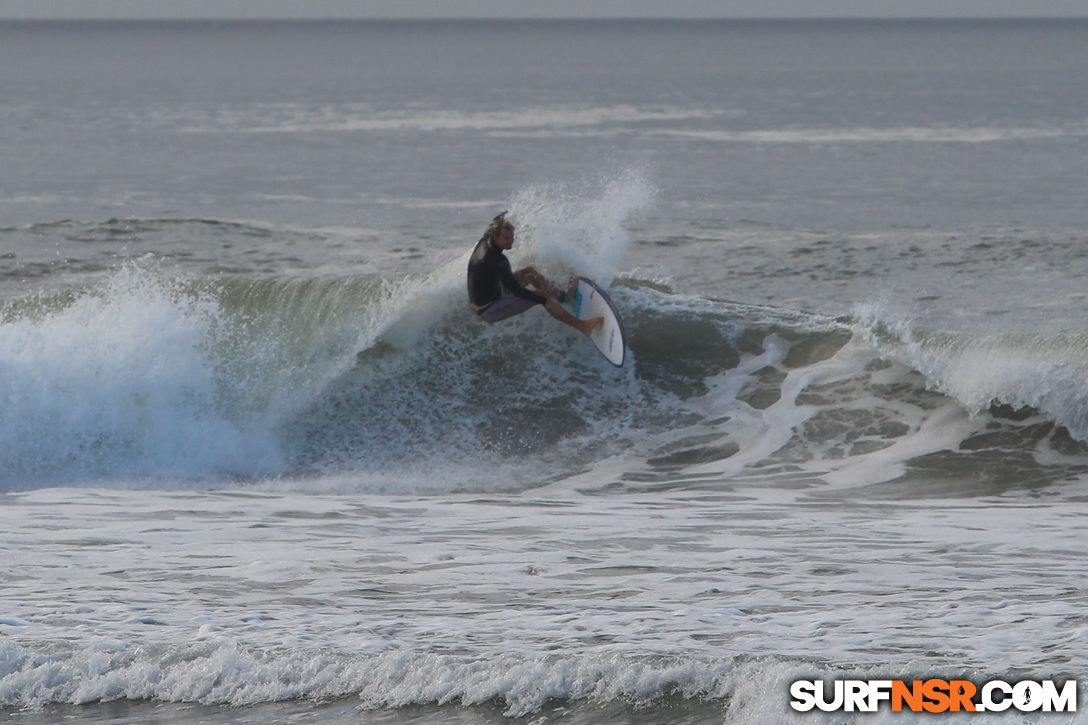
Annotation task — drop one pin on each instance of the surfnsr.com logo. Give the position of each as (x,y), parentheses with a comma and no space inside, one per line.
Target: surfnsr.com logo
(934,696)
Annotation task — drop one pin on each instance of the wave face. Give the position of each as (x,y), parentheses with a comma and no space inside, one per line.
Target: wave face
(381,382)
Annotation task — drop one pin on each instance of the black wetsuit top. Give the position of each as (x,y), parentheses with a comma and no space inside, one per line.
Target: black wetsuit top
(489,273)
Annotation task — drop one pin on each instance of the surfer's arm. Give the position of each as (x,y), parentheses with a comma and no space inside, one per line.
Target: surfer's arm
(510,282)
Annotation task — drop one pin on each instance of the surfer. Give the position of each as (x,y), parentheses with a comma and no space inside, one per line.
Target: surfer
(496,292)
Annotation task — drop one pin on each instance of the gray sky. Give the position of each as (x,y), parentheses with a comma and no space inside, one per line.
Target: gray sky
(537,8)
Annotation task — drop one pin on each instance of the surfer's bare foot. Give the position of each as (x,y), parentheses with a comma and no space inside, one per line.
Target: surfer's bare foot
(571,288)
(588,326)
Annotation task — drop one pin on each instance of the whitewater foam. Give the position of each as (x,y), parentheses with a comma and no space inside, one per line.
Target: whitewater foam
(519,600)
(122,382)
(1043,372)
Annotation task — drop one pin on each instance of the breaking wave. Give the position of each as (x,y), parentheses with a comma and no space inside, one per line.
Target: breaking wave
(380,381)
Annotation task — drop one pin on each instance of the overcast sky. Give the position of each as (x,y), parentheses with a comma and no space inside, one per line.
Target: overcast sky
(537,8)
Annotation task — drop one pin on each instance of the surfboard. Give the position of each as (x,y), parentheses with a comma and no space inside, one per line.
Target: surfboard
(591,301)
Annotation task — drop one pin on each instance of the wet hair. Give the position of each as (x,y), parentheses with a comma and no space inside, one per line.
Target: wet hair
(498,225)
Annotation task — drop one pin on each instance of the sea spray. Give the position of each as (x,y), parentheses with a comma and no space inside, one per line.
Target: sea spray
(121,381)
(582,230)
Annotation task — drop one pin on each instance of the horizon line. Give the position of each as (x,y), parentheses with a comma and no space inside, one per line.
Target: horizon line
(577,18)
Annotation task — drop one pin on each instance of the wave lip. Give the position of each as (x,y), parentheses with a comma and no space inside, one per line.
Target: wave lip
(1045,373)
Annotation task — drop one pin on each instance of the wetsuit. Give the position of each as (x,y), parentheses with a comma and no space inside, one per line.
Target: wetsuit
(492,281)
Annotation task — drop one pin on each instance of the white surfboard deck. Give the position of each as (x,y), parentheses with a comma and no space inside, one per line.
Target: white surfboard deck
(591,301)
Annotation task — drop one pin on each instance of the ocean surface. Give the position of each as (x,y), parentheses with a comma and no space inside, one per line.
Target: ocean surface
(259,462)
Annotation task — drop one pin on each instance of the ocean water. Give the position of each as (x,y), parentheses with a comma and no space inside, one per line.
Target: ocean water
(260,463)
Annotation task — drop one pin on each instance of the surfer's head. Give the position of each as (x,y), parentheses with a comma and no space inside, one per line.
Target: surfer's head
(501,232)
